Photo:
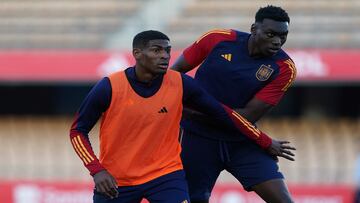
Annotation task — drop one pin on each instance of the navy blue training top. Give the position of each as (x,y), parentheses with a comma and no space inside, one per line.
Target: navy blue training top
(98,100)
(233,77)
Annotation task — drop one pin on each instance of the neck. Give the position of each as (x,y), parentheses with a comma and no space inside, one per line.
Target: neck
(253,51)
(144,76)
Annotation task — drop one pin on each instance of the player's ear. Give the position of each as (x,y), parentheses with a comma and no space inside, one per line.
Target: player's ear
(253,29)
(136,53)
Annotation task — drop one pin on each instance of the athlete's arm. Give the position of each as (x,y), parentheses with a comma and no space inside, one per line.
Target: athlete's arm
(196,97)
(269,96)
(182,65)
(91,109)
(254,110)
(196,53)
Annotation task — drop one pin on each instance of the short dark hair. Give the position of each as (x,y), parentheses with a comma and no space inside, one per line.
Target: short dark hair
(272,12)
(141,39)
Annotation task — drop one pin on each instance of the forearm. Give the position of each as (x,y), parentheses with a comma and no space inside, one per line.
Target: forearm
(254,110)
(248,129)
(201,101)
(225,117)
(250,115)
(96,102)
(83,149)
(181,65)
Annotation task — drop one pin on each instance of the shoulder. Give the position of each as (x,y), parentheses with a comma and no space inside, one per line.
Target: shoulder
(103,84)
(116,75)
(285,62)
(218,35)
(287,69)
(241,35)
(187,80)
(281,55)
(173,73)
(173,77)
(184,78)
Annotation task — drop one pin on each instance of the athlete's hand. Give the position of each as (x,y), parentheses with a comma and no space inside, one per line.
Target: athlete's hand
(106,184)
(282,149)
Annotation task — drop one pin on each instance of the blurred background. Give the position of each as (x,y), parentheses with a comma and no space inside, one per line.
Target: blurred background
(53,51)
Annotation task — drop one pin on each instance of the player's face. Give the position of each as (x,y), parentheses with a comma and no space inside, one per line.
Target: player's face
(155,57)
(270,35)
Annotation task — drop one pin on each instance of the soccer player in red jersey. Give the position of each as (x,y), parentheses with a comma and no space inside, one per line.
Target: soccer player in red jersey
(248,72)
(141,109)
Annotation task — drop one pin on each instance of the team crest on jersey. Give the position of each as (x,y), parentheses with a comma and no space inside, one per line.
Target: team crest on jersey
(264,72)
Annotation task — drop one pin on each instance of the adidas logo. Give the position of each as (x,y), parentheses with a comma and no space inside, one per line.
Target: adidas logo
(227,56)
(163,110)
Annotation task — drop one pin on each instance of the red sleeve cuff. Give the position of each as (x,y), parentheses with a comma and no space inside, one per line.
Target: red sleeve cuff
(95,168)
(264,141)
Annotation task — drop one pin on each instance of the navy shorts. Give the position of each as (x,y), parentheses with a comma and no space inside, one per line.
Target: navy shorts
(170,188)
(204,158)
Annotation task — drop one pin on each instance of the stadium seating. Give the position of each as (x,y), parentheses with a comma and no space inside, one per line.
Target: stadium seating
(314,24)
(66,24)
(75,24)
(39,148)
